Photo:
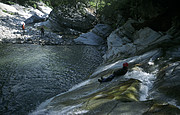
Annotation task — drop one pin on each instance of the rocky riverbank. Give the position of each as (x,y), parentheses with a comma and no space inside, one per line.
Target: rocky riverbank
(152,83)
(12,17)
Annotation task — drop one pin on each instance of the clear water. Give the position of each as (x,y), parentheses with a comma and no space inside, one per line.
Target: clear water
(30,74)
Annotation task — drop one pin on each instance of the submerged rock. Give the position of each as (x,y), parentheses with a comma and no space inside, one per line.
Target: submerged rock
(126,91)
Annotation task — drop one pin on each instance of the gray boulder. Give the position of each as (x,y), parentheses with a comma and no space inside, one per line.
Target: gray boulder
(89,38)
(65,18)
(96,36)
(34,19)
(126,41)
(102,30)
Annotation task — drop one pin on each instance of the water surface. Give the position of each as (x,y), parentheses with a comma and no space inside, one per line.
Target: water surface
(30,74)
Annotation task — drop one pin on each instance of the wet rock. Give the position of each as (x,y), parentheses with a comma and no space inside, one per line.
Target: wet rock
(162,109)
(126,91)
(121,108)
(167,83)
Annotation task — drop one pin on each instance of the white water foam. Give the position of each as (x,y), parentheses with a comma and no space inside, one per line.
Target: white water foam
(146,79)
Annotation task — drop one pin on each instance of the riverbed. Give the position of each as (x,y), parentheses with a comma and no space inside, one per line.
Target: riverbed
(30,74)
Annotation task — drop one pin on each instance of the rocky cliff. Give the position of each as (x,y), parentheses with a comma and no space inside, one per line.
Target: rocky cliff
(150,86)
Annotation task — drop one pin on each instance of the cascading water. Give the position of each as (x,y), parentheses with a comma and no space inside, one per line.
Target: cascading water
(146,79)
(130,94)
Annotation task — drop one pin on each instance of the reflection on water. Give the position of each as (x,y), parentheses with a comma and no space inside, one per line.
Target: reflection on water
(30,74)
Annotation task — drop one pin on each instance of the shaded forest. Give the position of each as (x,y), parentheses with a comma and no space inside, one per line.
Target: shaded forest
(158,14)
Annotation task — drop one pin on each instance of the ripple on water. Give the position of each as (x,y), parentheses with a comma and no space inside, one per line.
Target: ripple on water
(30,74)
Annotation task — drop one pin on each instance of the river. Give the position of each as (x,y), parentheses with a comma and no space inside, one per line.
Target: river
(30,74)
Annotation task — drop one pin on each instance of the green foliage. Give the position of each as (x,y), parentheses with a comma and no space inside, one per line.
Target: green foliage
(4,11)
(34,6)
(8,12)
(10,3)
(138,9)
(110,9)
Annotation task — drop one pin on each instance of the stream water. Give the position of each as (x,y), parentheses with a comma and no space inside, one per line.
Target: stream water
(52,105)
(30,74)
(79,99)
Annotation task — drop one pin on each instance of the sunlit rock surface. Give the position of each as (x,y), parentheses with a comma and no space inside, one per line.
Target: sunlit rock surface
(96,36)
(8,8)
(34,19)
(126,41)
(12,17)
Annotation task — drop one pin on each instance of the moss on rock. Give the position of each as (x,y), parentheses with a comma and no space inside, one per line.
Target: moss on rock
(125,92)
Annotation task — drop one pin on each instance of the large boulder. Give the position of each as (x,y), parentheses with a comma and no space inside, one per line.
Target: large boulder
(96,36)
(64,18)
(34,19)
(148,38)
(102,30)
(89,38)
(126,41)
(120,42)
